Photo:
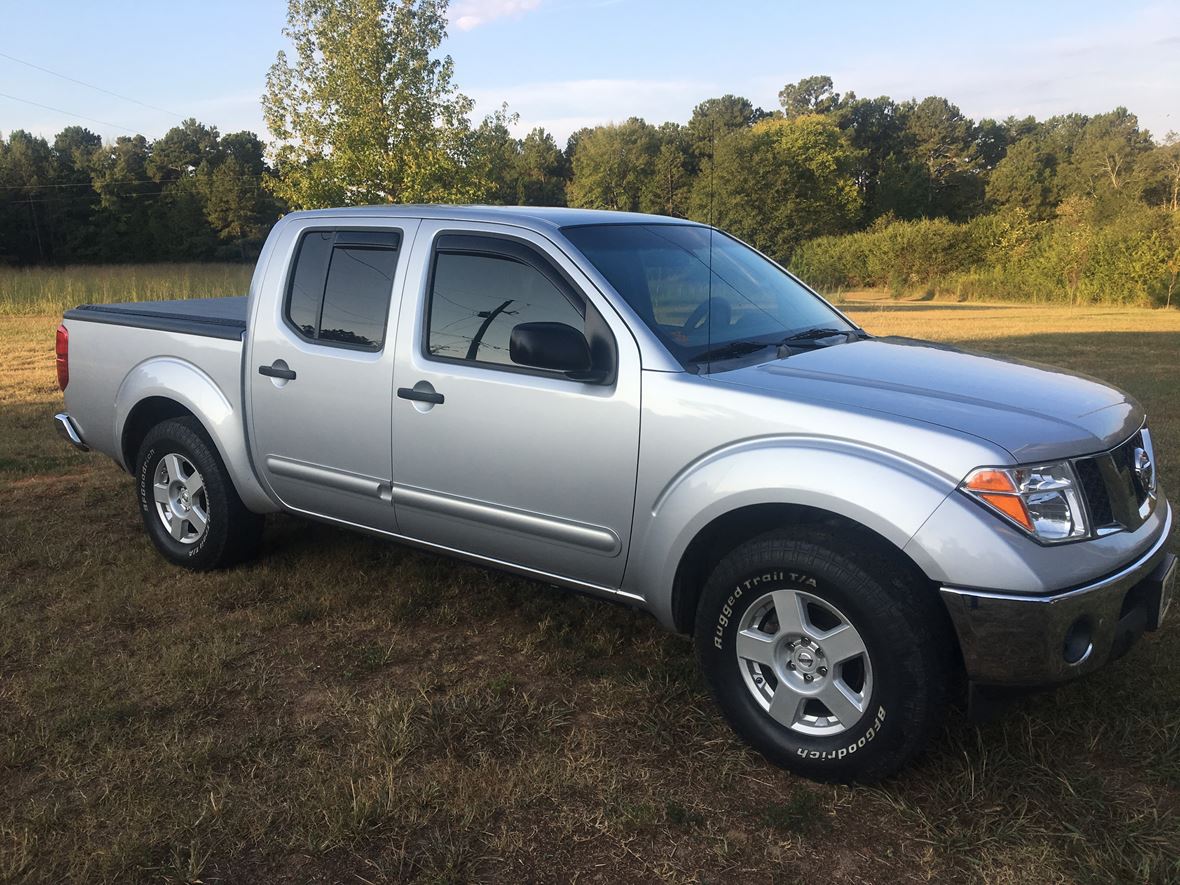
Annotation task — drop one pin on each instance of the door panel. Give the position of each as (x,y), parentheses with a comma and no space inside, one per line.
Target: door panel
(321,439)
(520,466)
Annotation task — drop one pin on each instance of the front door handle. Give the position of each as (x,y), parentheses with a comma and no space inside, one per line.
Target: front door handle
(278,369)
(422,396)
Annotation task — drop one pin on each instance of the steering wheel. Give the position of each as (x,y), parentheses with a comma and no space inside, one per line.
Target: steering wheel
(724,313)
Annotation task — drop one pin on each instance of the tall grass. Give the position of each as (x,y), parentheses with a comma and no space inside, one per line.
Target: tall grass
(52,290)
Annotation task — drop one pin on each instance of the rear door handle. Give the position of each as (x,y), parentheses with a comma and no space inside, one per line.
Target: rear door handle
(422,396)
(277,370)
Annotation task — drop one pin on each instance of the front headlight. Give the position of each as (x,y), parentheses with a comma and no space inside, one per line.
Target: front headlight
(1044,500)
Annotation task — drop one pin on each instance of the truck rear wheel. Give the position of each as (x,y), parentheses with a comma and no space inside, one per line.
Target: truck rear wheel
(822,657)
(189,505)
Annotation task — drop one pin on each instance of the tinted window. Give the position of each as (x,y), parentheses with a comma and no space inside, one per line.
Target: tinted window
(477,299)
(342,285)
(307,284)
(697,291)
(356,300)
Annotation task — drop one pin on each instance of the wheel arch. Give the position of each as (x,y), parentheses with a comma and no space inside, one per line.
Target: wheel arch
(165,388)
(743,491)
(724,533)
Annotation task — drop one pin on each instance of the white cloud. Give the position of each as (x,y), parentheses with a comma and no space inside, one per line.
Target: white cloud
(1085,68)
(469,14)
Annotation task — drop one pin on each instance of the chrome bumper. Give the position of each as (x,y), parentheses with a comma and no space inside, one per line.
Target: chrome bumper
(1010,639)
(67,431)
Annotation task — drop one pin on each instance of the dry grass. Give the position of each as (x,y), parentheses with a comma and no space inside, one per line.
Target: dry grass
(53,290)
(349,710)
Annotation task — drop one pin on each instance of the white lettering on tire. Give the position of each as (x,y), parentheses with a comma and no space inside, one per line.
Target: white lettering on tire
(841,753)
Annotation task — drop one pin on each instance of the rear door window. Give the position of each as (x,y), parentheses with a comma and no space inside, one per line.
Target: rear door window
(341,287)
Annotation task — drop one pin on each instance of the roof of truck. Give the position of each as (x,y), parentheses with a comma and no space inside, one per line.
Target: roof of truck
(547,217)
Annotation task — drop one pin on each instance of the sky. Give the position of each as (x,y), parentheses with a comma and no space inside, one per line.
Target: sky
(564,64)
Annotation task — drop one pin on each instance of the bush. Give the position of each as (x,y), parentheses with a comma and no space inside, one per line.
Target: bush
(1132,259)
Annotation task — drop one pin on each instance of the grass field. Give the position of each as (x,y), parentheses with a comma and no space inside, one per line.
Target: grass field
(350,710)
(53,290)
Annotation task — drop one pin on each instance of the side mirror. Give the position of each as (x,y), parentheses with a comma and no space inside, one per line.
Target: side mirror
(553,346)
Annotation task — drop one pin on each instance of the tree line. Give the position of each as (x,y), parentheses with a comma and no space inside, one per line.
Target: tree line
(850,191)
(192,194)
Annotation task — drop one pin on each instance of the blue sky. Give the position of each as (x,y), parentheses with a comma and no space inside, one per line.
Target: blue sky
(569,63)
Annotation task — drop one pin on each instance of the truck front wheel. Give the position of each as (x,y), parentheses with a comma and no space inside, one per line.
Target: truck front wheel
(189,505)
(823,657)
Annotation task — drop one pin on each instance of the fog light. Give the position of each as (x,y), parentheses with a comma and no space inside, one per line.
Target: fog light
(1078,641)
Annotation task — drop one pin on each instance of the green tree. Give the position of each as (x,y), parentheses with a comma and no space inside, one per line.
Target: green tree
(74,200)
(496,157)
(811,95)
(365,112)
(26,169)
(187,149)
(612,166)
(1104,160)
(715,118)
(1161,170)
(876,130)
(943,143)
(781,182)
(669,188)
(541,172)
(119,175)
(1026,178)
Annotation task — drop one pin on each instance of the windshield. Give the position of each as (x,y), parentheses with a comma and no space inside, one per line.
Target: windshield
(701,302)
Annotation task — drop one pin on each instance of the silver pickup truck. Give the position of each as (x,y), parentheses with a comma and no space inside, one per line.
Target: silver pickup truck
(855,530)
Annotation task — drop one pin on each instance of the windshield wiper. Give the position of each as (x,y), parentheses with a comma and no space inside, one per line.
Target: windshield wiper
(818,334)
(730,350)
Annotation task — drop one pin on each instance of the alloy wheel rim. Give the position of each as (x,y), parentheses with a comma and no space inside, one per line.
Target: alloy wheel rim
(182,503)
(804,663)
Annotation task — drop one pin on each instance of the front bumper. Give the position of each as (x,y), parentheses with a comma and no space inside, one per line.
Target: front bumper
(1023,640)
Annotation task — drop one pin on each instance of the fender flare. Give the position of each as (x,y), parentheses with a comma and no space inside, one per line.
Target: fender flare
(184,383)
(884,491)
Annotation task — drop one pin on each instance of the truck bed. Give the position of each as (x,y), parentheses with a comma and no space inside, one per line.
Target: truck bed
(208,317)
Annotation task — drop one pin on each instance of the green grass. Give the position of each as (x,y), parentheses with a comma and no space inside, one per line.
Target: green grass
(345,709)
(53,290)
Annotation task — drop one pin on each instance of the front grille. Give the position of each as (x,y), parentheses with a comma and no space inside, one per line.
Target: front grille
(1116,497)
(1094,490)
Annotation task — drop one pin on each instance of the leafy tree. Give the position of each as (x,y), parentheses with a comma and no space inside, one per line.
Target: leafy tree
(670,188)
(1106,152)
(541,171)
(26,166)
(73,200)
(781,182)
(184,150)
(365,113)
(943,142)
(236,206)
(1161,169)
(496,157)
(1026,178)
(992,140)
(714,118)
(611,166)
(811,95)
(876,130)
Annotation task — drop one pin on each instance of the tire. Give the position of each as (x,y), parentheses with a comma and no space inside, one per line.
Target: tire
(812,697)
(188,502)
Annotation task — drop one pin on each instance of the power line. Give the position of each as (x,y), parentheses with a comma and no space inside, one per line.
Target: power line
(29,64)
(252,179)
(38,104)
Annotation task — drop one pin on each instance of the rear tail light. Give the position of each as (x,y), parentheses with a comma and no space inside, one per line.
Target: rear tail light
(63,356)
